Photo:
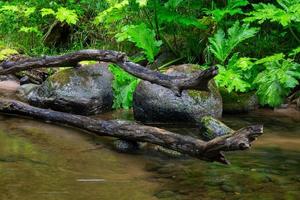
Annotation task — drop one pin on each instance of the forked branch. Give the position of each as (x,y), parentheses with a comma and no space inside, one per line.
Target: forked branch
(209,151)
(198,80)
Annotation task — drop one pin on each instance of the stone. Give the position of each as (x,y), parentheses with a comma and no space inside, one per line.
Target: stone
(154,103)
(126,146)
(212,128)
(86,90)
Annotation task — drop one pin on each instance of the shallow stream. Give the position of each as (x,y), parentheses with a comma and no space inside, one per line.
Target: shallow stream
(45,161)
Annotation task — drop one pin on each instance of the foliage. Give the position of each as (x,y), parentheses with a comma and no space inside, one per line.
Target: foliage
(288,13)
(195,31)
(124,85)
(236,75)
(222,46)
(143,38)
(277,80)
(295,51)
(62,15)
(232,8)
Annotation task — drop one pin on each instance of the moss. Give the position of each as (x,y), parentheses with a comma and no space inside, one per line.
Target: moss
(214,128)
(6,52)
(198,95)
(62,77)
(5,105)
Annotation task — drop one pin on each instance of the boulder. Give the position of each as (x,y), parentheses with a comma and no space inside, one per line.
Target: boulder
(234,102)
(9,85)
(86,90)
(154,103)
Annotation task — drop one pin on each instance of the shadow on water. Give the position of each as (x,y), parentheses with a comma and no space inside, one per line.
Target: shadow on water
(43,161)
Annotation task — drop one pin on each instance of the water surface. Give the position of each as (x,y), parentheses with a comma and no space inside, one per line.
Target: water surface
(44,161)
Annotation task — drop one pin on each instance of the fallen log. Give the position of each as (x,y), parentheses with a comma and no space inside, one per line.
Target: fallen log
(209,151)
(198,80)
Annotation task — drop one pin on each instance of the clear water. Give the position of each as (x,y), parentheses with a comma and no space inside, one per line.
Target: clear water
(44,161)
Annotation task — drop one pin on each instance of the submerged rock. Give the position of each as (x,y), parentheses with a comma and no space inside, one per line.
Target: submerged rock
(154,103)
(126,146)
(238,102)
(86,90)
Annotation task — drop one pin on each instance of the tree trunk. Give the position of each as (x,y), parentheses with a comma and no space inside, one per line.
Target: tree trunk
(209,151)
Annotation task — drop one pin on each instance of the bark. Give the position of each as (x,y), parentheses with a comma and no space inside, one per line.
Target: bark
(209,151)
(198,80)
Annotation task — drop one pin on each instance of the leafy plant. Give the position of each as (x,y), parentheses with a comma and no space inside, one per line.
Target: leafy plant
(288,13)
(124,85)
(62,15)
(142,37)
(232,8)
(277,80)
(295,51)
(237,74)
(222,45)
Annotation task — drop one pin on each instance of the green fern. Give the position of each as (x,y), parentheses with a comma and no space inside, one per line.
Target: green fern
(234,76)
(295,51)
(114,13)
(63,15)
(124,86)
(142,37)
(290,12)
(277,80)
(232,8)
(167,16)
(222,46)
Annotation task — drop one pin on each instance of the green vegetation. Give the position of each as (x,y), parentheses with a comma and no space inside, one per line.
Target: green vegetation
(124,85)
(255,45)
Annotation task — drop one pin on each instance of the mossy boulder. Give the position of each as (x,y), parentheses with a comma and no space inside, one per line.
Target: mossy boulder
(212,128)
(86,90)
(234,102)
(154,103)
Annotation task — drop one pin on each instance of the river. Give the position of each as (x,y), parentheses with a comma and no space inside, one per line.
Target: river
(49,162)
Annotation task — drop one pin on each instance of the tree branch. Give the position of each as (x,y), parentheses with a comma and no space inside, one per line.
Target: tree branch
(198,80)
(209,151)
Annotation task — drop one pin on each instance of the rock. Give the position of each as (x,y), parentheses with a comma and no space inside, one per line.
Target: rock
(24,80)
(154,103)
(126,146)
(8,88)
(86,90)
(24,91)
(238,102)
(213,128)
(8,78)
(230,188)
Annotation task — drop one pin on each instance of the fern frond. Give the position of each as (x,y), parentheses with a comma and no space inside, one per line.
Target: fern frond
(222,47)
(269,12)
(142,37)
(171,17)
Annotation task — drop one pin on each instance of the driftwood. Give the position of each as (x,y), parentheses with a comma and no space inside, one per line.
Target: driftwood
(198,80)
(209,151)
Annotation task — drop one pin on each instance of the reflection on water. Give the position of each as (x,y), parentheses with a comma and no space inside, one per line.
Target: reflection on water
(43,161)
